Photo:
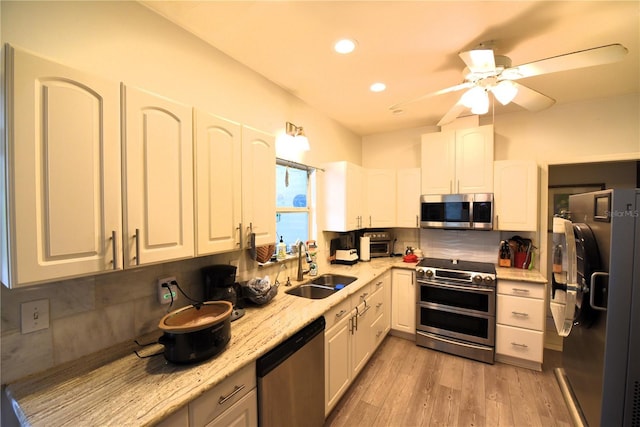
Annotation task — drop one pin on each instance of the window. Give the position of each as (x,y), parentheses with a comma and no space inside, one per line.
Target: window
(294,213)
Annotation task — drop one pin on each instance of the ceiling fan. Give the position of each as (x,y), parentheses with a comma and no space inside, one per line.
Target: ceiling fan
(487,73)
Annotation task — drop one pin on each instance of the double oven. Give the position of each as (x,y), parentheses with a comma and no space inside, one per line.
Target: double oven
(456,307)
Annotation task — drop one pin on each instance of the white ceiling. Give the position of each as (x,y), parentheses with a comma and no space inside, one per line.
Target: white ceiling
(411,46)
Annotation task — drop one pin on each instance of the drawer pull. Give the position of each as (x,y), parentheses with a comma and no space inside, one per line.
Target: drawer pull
(378,334)
(379,283)
(341,313)
(236,390)
(379,305)
(515,344)
(518,313)
(364,295)
(524,291)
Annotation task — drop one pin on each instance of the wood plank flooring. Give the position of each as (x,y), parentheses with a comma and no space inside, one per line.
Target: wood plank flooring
(406,385)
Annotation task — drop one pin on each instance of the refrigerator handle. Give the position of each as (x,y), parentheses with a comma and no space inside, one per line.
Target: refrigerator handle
(592,286)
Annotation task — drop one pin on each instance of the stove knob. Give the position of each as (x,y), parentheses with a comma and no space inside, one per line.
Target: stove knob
(477,279)
(428,273)
(488,280)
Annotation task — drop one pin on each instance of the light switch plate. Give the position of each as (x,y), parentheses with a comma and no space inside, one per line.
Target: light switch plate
(34,316)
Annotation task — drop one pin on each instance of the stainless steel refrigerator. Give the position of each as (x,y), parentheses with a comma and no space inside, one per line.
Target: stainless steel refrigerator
(595,304)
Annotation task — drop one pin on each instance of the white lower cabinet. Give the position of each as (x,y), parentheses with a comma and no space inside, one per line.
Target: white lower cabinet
(520,323)
(355,328)
(233,402)
(403,299)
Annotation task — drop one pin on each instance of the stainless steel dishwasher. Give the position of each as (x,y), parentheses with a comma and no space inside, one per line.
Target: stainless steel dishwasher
(291,380)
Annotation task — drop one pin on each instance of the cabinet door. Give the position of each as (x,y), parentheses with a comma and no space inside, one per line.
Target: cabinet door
(516,195)
(343,196)
(474,160)
(62,161)
(403,301)
(408,198)
(381,198)
(361,340)
(258,186)
(337,355)
(438,162)
(158,178)
(217,151)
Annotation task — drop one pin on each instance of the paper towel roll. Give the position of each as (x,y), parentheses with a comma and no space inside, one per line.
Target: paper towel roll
(365,249)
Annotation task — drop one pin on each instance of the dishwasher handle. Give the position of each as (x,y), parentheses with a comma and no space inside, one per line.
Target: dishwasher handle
(275,357)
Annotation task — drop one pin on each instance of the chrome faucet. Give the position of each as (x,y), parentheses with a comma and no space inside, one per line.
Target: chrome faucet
(302,272)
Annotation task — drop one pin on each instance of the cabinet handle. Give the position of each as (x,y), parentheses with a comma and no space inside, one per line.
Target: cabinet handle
(515,344)
(137,237)
(239,235)
(224,399)
(364,296)
(366,308)
(379,283)
(518,313)
(497,222)
(417,221)
(524,291)
(355,320)
(458,187)
(341,313)
(114,243)
(369,221)
(378,334)
(450,186)
(379,305)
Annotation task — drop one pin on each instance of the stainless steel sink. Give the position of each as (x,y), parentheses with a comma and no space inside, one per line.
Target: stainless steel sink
(333,280)
(322,286)
(312,291)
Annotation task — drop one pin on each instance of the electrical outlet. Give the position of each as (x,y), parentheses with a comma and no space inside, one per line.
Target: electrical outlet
(34,316)
(165,296)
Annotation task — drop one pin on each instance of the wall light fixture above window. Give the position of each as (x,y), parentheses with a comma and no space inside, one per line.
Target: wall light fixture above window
(300,140)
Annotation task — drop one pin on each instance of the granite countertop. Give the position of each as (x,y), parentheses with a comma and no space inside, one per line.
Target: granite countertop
(520,274)
(115,387)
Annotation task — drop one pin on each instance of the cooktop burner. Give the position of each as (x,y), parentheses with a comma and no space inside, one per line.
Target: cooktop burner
(453,264)
(456,271)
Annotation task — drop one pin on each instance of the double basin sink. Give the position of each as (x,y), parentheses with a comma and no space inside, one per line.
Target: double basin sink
(322,286)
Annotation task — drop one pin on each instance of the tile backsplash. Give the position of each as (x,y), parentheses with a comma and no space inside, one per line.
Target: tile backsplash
(92,313)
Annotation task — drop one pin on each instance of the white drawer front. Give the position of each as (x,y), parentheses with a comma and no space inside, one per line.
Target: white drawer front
(337,313)
(521,289)
(221,397)
(522,312)
(520,343)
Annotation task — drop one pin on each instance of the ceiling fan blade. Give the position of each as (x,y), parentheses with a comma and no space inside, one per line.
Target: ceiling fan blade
(452,114)
(569,61)
(455,88)
(532,100)
(479,60)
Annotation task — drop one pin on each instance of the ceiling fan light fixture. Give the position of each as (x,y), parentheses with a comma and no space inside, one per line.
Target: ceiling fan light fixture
(505,91)
(473,97)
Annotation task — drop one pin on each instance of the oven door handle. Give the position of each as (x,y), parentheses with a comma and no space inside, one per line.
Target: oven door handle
(459,287)
(462,344)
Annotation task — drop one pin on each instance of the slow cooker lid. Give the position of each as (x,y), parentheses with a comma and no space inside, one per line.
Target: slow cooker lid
(189,319)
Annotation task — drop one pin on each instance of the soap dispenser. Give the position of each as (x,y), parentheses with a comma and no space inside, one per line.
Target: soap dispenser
(281,252)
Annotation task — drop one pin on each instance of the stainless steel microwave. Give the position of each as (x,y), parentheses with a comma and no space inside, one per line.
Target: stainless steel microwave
(457,211)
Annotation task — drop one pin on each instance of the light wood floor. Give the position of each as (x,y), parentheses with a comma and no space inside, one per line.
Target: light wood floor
(406,385)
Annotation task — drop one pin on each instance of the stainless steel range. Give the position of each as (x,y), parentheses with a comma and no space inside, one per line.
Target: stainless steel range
(456,307)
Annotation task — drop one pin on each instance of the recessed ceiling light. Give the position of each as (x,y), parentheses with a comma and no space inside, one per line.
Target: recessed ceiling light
(377,87)
(344,46)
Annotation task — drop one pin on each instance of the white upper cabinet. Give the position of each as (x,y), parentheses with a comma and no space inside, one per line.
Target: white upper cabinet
(516,195)
(381,198)
(60,167)
(258,187)
(217,154)
(343,196)
(158,211)
(408,198)
(458,161)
